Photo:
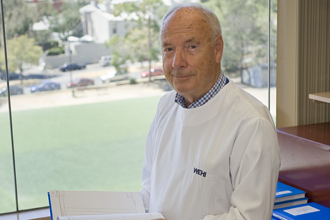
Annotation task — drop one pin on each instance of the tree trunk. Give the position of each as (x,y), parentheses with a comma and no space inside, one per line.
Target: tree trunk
(21,74)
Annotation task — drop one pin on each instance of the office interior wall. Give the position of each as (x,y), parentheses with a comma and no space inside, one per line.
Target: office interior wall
(314,60)
(303,61)
(287,47)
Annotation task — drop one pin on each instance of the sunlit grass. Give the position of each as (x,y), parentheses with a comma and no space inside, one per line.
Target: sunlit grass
(84,147)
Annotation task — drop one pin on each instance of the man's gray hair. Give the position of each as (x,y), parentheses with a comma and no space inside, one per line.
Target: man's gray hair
(210,16)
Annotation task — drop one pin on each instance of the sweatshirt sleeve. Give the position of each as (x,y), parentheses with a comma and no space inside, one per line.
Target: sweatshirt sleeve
(148,160)
(146,170)
(254,167)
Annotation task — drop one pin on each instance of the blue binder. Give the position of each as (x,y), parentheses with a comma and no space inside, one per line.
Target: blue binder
(308,211)
(285,192)
(288,203)
(50,207)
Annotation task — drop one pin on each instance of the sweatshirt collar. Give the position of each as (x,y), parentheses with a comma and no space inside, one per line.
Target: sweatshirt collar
(221,82)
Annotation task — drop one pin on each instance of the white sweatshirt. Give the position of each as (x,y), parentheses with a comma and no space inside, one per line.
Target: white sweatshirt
(218,161)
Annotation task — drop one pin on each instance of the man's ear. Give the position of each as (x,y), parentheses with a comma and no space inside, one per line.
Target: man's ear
(218,48)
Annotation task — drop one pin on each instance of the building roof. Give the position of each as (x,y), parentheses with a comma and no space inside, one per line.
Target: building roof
(41,25)
(121,17)
(102,9)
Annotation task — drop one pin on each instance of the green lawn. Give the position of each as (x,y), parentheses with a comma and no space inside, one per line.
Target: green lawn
(85,147)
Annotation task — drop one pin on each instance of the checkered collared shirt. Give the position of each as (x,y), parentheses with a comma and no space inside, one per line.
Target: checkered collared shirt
(221,82)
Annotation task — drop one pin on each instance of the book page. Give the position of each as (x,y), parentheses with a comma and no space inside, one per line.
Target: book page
(71,203)
(138,216)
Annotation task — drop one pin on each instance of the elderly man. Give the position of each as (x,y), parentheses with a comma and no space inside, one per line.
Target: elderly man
(211,151)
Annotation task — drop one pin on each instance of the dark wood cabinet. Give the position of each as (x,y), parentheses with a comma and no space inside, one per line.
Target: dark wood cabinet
(305,160)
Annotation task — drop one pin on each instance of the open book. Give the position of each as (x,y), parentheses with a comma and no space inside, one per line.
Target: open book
(135,216)
(98,205)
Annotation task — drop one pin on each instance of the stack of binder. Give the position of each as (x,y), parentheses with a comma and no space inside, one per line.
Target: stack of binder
(287,196)
(291,204)
(309,211)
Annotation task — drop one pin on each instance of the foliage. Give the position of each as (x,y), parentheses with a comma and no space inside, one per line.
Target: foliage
(21,50)
(132,81)
(45,12)
(143,39)
(18,17)
(139,44)
(49,44)
(53,43)
(244,30)
(120,53)
(66,23)
(55,51)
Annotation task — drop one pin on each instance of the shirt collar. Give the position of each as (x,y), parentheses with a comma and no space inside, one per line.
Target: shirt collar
(221,82)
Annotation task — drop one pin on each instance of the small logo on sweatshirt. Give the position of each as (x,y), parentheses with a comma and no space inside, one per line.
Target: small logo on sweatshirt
(199,172)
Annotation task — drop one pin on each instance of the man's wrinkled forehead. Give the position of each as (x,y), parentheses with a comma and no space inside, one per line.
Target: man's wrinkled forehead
(186,19)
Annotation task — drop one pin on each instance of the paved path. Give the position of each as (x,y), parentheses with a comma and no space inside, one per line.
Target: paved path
(108,93)
(65,98)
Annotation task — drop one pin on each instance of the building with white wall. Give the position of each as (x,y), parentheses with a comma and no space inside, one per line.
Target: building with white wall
(99,23)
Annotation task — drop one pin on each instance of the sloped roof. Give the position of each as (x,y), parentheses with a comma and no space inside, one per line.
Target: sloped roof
(121,17)
(41,25)
(92,7)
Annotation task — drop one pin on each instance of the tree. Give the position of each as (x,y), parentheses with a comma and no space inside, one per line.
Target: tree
(64,20)
(46,13)
(120,53)
(142,47)
(68,22)
(21,50)
(143,39)
(244,29)
(18,17)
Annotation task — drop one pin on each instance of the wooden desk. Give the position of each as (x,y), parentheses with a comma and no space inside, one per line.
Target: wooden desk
(305,160)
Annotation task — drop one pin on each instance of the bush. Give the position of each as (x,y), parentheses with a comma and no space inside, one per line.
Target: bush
(132,81)
(48,45)
(53,43)
(55,51)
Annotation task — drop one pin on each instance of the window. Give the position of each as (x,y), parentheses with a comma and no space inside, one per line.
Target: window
(62,134)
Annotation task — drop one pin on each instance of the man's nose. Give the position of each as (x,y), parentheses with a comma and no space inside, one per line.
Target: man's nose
(179,60)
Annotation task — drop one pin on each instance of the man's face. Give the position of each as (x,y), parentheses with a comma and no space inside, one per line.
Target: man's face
(191,55)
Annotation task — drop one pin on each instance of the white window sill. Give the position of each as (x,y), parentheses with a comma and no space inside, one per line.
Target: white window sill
(38,214)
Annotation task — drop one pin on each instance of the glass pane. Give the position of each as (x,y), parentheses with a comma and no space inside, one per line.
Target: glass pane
(7,184)
(91,78)
(273,57)
(245,34)
(87,101)
(96,146)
